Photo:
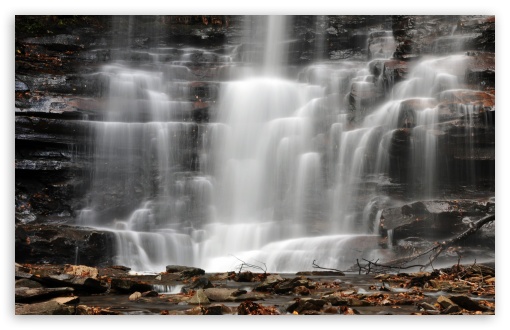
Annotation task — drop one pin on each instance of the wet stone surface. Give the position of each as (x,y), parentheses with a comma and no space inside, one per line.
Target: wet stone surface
(460,289)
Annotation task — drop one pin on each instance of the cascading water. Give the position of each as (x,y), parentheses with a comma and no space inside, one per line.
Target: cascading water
(285,173)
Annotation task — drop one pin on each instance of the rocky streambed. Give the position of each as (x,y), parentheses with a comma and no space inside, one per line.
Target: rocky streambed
(180,290)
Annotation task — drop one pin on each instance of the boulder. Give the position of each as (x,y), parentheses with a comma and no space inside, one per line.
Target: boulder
(199,298)
(445,302)
(426,306)
(269,283)
(246,276)
(27,283)
(87,310)
(67,300)
(26,295)
(301,290)
(135,296)
(127,286)
(83,271)
(251,308)
(252,296)
(282,286)
(150,294)
(79,283)
(214,310)
(306,304)
(199,283)
(467,303)
(52,307)
(223,294)
(453,309)
(185,271)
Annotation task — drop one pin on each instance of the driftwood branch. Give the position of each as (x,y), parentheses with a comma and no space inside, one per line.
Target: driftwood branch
(247,265)
(314,265)
(433,251)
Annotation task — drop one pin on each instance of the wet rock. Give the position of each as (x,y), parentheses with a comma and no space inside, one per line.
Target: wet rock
(274,284)
(127,286)
(306,304)
(453,309)
(481,70)
(51,307)
(301,290)
(199,298)
(221,276)
(26,294)
(60,42)
(445,302)
(223,294)
(364,95)
(269,282)
(135,296)
(27,283)
(381,44)
(53,244)
(80,270)
(335,300)
(252,308)
(289,284)
(67,300)
(214,310)
(355,302)
(21,268)
(410,109)
(20,86)
(199,283)
(426,306)
(165,277)
(185,271)
(79,283)
(393,72)
(331,310)
(467,303)
(86,310)
(199,310)
(246,276)
(253,296)
(150,294)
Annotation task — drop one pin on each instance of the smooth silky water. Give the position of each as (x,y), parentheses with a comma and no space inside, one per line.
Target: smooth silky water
(281,176)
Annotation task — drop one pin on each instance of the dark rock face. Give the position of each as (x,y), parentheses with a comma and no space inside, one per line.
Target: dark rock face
(60,244)
(421,35)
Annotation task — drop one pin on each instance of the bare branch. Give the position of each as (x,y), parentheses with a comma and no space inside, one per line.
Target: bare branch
(434,251)
(245,264)
(314,265)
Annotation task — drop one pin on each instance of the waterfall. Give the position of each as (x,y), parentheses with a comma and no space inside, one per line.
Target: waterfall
(286,170)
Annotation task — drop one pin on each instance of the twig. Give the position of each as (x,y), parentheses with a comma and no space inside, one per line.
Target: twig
(245,264)
(314,265)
